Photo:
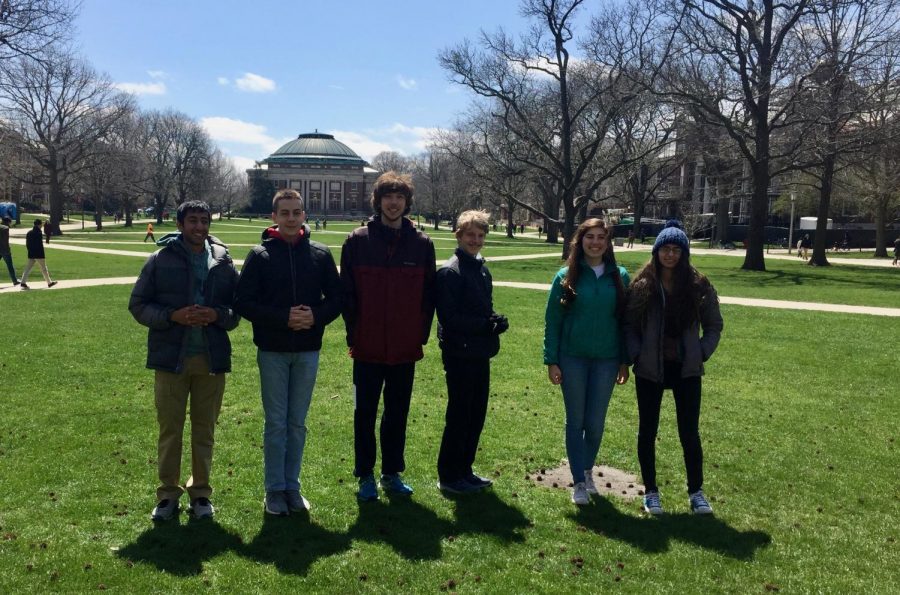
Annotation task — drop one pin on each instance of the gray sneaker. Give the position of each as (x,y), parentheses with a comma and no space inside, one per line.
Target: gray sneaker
(276,504)
(652,503)
(589,484)
(164,509)
(698,503)
(202,508)
(579,495)
(295,501)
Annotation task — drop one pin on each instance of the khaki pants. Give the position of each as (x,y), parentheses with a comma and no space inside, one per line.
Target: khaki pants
(30,265)
(172,392)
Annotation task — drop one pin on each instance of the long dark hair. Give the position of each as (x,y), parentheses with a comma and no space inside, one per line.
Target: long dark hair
(689,286)
(576,253)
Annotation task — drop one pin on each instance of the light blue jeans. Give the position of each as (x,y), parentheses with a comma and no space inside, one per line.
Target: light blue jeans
(587,386)
(286,382)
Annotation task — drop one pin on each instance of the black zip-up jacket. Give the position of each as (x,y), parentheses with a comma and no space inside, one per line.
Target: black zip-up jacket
(464,308)
(166,284)
(34,243)
(277,276)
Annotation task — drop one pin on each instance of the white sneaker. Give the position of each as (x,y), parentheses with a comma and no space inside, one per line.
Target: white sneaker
(698,503)
(164,509)
(579,495)
(202,508)
(589,484)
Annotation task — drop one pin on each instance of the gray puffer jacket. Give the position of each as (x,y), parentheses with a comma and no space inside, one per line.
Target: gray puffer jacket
(166,283)
(644,337)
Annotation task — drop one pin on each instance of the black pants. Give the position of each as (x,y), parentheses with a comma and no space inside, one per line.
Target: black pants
(368,380)
(468,382)
(687,411)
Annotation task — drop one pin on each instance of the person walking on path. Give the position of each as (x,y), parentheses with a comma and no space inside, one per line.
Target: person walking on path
(290,290)
(35,247)
(805,244)
(469,334)
(387,272)
(896,250)
(5,252)
(583,345)
(670,303)
(184,297)
(150,232)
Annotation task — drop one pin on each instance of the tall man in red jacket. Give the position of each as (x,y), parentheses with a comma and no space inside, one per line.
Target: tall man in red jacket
(388,273)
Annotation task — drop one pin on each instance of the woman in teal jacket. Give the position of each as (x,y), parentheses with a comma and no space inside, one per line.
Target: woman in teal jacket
(583,345)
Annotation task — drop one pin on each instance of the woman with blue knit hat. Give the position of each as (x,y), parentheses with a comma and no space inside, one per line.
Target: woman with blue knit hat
(673,326)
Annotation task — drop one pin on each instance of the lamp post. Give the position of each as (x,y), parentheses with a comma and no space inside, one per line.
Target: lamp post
(791,225)
(81,198)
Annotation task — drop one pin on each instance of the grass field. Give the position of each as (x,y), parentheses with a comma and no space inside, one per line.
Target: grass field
(799,423)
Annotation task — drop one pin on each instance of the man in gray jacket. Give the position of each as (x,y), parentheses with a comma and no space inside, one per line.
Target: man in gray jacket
(184,296)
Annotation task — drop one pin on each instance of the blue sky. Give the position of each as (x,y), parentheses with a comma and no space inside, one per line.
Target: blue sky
(257,74)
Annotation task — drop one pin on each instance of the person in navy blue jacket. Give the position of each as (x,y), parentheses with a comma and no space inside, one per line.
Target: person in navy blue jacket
(469,334)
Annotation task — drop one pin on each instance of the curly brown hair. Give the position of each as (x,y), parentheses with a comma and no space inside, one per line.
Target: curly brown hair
(391,181)
(573,262)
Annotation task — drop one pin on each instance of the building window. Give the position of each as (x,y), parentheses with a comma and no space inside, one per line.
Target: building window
(334,201)
(315,186)
(334,186)
(315,202)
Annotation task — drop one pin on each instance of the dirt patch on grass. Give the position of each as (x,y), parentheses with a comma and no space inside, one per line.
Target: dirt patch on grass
(608,480)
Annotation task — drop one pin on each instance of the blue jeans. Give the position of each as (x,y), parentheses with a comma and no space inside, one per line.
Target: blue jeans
(587,386)
(286,381)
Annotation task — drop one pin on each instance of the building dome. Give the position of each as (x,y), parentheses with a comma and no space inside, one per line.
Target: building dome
(315,148)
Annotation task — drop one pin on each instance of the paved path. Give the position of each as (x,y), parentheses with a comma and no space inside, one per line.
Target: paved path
(38,283)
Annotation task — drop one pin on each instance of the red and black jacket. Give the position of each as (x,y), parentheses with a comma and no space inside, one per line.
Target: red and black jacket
(388,279)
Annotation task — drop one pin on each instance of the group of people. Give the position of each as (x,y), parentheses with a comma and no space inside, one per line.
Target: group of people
(665,324)
(189,295)
(388,290)
(35,248)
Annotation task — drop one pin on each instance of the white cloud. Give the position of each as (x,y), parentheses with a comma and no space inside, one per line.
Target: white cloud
(243,163)
(404,139)
(254,83)
(157,74)
(229,130)
(407,83)
(143,88)
(223,80)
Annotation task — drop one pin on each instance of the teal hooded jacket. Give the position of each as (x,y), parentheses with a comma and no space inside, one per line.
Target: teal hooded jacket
(588,327)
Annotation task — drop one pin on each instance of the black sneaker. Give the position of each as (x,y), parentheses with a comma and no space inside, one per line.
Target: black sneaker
(479,482)
(24,286)
(202,508)
(52,283)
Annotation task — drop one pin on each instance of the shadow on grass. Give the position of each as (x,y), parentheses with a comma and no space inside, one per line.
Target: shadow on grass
(484,512)
(179,546)
(653,535)
(293,543)
(413,531)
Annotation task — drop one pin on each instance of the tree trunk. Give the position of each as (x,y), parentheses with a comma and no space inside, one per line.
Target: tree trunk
(56,199)
(568,227)
(880,231)
(820,243)
(510,224)
(759,208)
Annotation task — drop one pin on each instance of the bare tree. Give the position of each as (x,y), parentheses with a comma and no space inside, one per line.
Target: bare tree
(61,108)
(843,42)
(732,61)
(29,27)
(390,161)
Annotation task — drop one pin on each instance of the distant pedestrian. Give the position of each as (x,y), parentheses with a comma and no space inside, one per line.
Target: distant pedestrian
(48,231)
(896,250)
(805,243)
(631,238)
(35,255)
(5,252)
(150,233)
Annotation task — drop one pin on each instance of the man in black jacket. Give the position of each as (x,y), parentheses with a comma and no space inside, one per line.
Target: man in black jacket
(35,247)
(184,295)
(469,334)
(290,290)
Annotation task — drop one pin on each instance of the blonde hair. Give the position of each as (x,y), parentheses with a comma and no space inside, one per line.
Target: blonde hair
(474,217)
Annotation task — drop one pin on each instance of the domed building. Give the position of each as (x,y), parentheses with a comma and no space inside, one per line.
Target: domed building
(333,180)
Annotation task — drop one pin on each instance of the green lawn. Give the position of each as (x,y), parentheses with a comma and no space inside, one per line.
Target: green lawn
(799,433)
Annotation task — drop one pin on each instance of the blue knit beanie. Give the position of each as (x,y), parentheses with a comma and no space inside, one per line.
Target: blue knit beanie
(672,234)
